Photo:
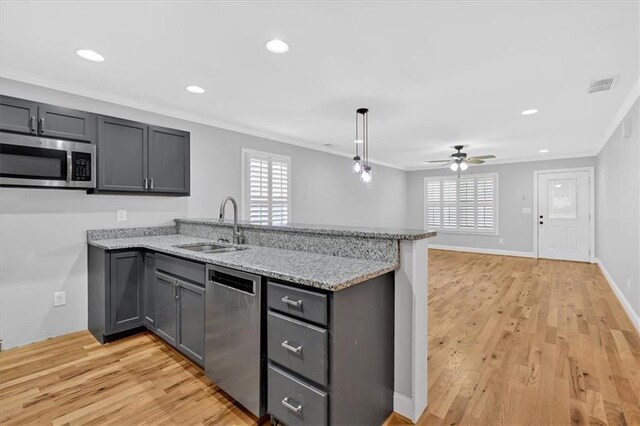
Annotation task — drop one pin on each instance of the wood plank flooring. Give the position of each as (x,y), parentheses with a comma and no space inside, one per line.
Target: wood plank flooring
(512,341)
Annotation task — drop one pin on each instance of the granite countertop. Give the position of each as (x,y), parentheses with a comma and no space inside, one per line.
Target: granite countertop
(316,270)
(350,231)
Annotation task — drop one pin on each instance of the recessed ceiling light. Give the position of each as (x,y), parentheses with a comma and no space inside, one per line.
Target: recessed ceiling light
(195,89)
(543,151)
(277,46)
(90,55)
(529,111)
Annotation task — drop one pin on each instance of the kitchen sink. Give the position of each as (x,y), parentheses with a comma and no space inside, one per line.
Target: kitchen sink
(212,248)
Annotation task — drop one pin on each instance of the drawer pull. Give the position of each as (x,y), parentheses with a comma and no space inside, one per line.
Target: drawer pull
(296,410)
(296,303)
(288,347)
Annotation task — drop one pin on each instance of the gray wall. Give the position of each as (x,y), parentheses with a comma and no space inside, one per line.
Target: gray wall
(617,208)
(42,243)
(515,190)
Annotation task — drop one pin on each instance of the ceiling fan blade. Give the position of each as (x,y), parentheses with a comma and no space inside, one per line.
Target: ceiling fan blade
(474,161)
(482,157)
(437,161)
(446,164)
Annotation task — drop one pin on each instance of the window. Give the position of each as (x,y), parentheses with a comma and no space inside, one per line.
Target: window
(468,204)
(266,188)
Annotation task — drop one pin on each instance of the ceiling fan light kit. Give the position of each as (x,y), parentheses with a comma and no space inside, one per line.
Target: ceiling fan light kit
(361,165)
(459,161)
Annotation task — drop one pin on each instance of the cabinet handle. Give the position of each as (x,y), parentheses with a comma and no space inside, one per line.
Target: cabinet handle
(290,348)
(145,184)
(296,303)
(42,125)
(151,184)
(286,403)
(177,291)
(32,124)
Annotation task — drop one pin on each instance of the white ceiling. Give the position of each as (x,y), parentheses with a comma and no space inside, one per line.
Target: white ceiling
(433,74)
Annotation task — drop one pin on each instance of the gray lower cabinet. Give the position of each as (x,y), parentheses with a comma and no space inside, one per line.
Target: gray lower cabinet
(191,304)
(330,354)
(115,291)
(180,304)
(149,291)
(28,117)
(167,315)
(129,289)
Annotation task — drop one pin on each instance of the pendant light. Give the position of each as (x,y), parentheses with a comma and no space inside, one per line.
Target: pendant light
(361,165)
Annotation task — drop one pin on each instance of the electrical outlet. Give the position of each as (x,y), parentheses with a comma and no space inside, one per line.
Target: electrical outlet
(501,241)
(60,298)
(121,215)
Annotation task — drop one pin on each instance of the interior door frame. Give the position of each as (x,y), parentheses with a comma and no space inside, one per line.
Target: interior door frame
(592,207)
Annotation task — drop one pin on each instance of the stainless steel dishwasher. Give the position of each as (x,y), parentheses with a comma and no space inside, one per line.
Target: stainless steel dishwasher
(235,357)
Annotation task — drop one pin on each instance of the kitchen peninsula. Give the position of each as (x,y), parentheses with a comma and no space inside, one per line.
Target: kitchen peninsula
(363,290)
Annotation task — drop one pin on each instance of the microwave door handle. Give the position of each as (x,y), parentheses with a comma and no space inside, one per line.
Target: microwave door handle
(69,166)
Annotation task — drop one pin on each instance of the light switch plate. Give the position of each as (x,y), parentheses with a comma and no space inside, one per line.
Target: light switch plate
(526,210)
(121,215)
(60,298)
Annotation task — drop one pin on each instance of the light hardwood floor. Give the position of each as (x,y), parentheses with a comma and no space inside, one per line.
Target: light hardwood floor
(512,341)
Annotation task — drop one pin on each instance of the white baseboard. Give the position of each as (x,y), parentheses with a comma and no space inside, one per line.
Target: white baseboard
(633,316)
(403,405)
(483,250)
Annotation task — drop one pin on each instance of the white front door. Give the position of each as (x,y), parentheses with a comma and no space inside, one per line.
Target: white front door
(563,215)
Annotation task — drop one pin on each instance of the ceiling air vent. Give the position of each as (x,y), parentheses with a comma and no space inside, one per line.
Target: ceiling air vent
(601,85)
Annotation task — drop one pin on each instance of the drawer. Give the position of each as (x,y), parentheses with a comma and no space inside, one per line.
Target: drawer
(304,304)
(298,346)
(181,268)
(294,402)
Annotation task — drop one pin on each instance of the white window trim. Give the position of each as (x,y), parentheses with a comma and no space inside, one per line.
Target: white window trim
(244,202)
(494,232)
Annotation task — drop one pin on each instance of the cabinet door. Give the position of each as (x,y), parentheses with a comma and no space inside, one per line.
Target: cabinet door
(18,115)
(122,155)
(191,321)
(166,307)
(168,160)
(125,281)
(66,123)
(149,291)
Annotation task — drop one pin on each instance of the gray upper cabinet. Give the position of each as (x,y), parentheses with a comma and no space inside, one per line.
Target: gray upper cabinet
(126,274)
(137,158)
(191,321)
(18,115)
(166,308)
(168,160)
(28,117)
(64,123)
(122,155)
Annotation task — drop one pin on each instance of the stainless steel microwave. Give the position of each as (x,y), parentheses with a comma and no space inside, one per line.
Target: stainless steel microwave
(47,163)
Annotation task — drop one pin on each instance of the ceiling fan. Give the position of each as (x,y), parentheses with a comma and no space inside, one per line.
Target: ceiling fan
(459,160)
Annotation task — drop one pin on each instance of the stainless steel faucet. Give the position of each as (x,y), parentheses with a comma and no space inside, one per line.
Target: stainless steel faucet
(238,236)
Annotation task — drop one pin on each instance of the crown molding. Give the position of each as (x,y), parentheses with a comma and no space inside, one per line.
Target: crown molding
(627,104)
(37,80)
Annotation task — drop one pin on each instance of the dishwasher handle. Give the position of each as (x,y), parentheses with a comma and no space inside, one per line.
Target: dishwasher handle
(234,280)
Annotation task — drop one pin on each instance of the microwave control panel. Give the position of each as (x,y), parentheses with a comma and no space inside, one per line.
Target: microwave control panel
(81,163)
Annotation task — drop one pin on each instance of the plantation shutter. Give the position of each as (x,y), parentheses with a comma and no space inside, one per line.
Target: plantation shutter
(465,204)
(266,188)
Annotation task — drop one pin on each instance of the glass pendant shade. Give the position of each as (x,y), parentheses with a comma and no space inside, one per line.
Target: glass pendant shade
(357,164)
(454,167)
(366,174)
(463,166)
